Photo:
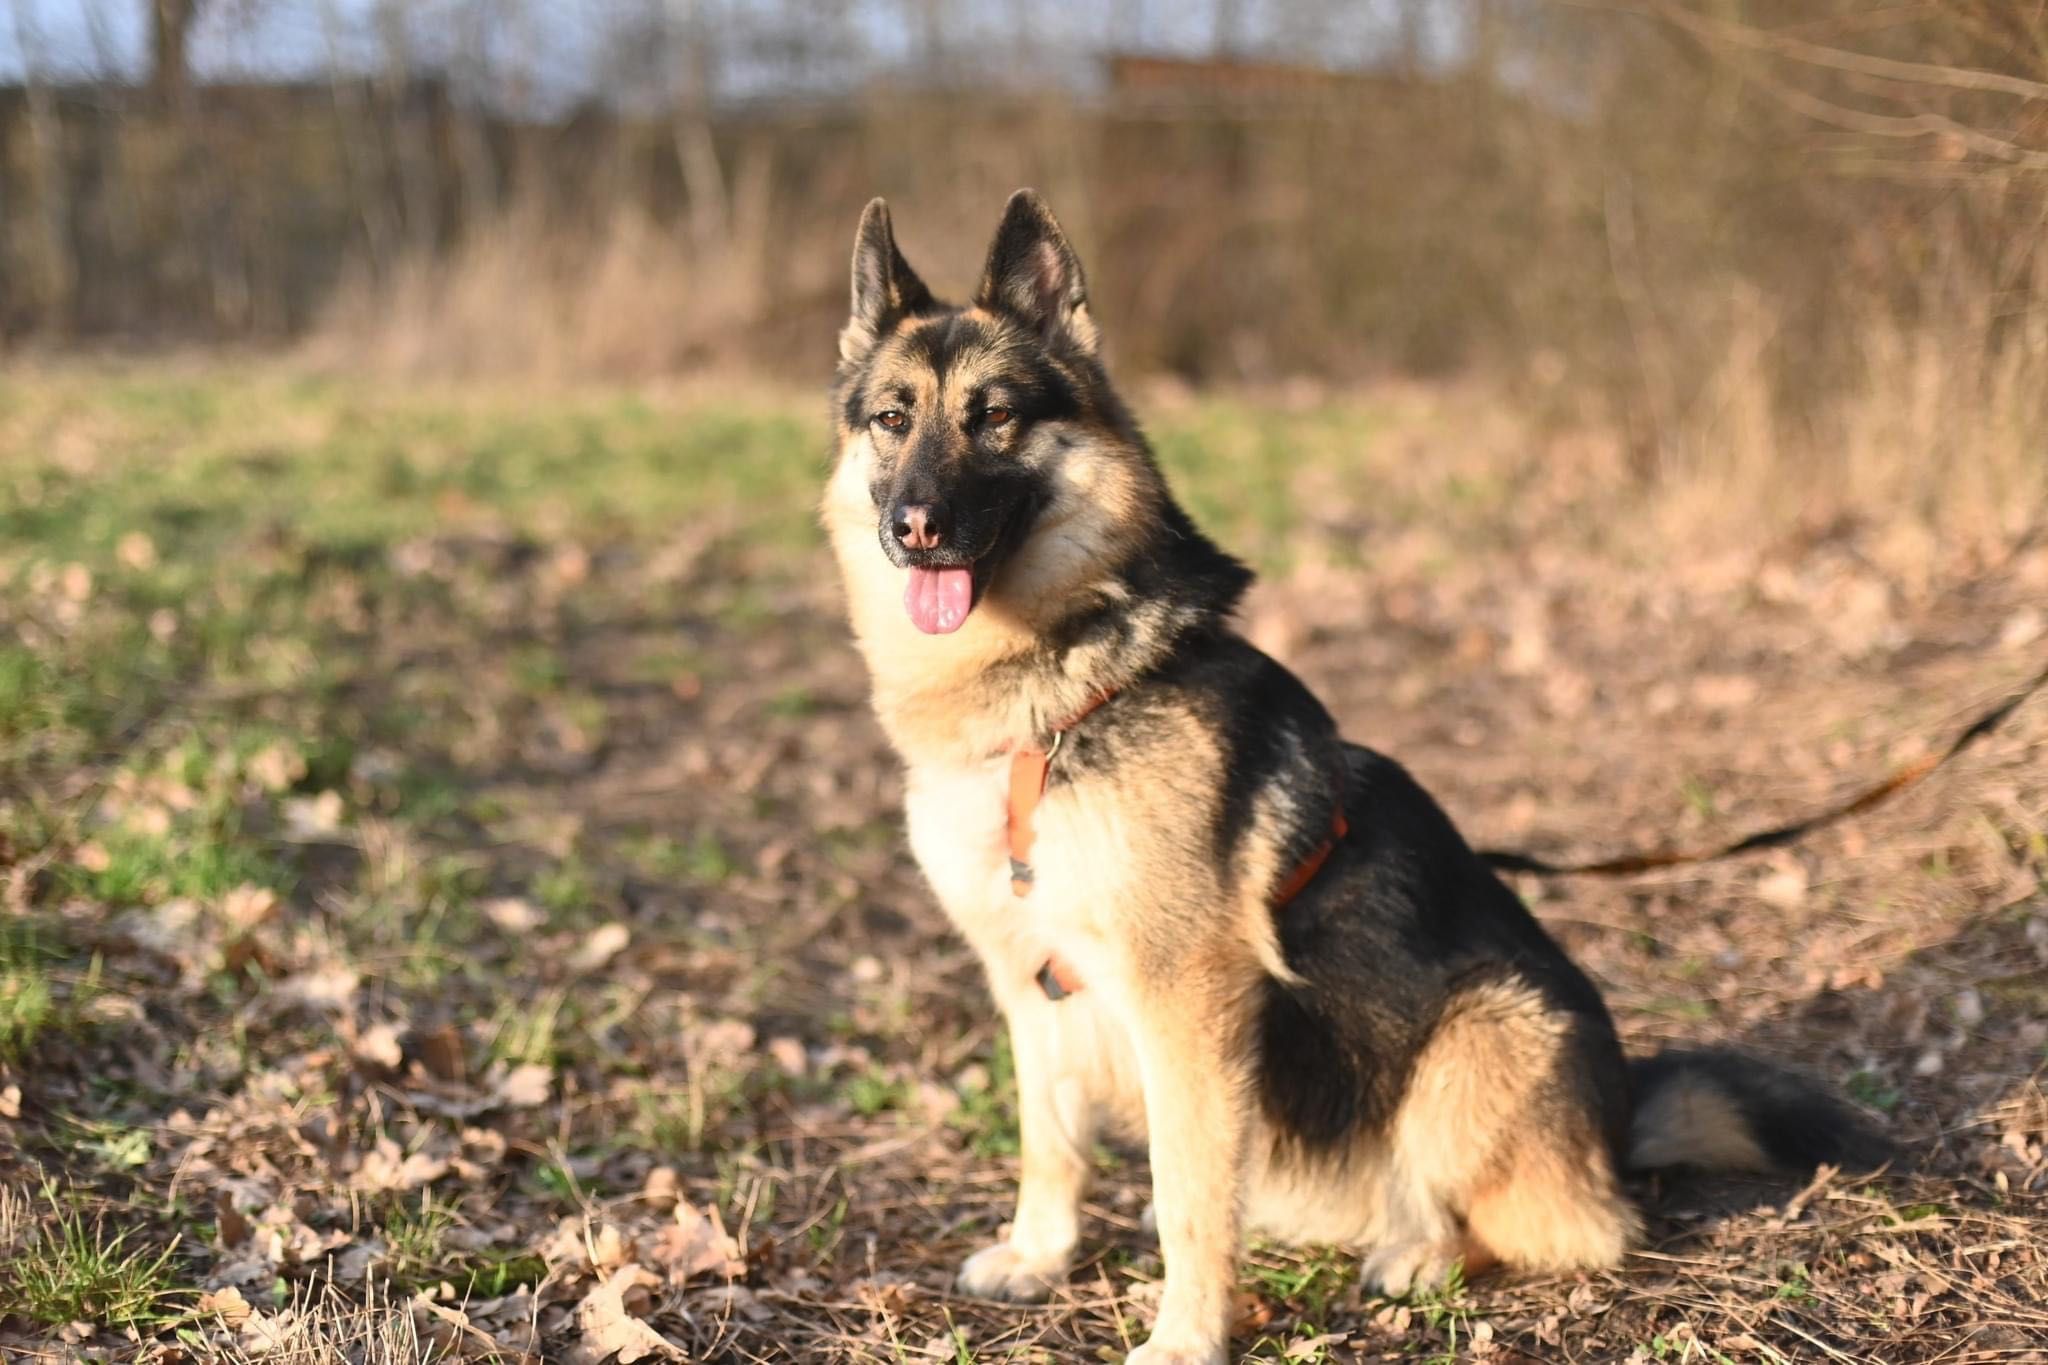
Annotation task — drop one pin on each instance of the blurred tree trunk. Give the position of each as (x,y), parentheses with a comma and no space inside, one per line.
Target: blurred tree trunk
(1487,34)
(696,153)
(727,213)
(1413,20)
(55,279)
(170,31)
(476,165)
(408,153)
(1229,28)
(356,134)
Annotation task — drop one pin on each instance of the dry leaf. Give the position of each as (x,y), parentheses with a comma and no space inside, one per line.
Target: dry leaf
(696,1244)
(608,1326)
(1785,886)
(234,1310)
(136,551)
(385,1167)
(525,1087)
(308,819)
(379,1046)
(1250,1312)
(662,1190)
(604,943)
(247,906)
(441,1053)
(609,1249)
(234,1228)
(788,1053)
(277,767)
(513,915)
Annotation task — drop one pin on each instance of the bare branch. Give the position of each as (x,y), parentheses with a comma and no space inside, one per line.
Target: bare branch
(1819,54)
(1923,124)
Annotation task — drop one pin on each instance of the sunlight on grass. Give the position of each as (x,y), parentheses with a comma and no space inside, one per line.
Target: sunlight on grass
(42,990)
(71,1269)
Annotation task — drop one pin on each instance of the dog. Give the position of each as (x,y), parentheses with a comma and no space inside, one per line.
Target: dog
(1210,922)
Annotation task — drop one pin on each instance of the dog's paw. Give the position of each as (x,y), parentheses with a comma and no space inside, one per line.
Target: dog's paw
(1148,1221)
(1395,1271)
(1002,1272)
(1157,1352)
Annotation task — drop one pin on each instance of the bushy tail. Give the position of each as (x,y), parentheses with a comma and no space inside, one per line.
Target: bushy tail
(1729,1112)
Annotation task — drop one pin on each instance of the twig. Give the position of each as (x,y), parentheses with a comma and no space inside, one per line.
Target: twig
(1839,59)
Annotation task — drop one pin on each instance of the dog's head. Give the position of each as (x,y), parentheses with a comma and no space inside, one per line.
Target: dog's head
(970,429)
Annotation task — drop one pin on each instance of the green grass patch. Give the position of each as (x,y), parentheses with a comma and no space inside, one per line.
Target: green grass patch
(873,1092)
(987,1116)
(1447,1309)
(1308,1282)
(1874,1090)
(420,1254)
(131,868)
(72,1269)
(682,1119)
(702,859)
(44,990)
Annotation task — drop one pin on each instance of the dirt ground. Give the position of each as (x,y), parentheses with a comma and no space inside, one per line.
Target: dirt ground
(454,902)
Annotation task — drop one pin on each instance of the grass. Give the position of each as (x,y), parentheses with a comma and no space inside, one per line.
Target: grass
(1308,1283)
(443,825)
(1447,1310)
(44,989)
(872,1093)
(988,1107)
(74,1269)
(27,999)
(417,1235)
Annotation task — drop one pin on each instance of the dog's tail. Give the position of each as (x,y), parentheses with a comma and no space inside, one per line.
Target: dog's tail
(1730,1112)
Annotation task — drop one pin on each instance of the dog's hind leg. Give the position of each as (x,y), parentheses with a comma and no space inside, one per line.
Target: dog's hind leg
(1498,1148)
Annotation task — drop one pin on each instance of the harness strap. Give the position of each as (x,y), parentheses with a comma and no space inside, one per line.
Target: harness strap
(1031,768)
(1311,865)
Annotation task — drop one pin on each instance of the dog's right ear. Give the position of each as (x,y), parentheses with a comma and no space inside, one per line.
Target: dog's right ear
(883,284)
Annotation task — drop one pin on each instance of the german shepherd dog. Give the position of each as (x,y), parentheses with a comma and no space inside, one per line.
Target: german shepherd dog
(1210,921)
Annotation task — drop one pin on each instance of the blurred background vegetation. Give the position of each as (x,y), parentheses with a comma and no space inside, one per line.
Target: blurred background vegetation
(437,792)
(1736,236)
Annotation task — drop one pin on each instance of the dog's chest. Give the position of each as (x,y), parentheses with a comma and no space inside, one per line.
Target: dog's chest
(959,821)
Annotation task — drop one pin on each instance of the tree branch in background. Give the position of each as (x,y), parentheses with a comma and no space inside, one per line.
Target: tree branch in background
(56,272)
(1840,59)
(1923,124)
(170,32)
(1912,83)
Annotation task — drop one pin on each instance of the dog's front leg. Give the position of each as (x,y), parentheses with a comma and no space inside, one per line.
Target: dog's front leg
(1192,1063)
(1056,1122)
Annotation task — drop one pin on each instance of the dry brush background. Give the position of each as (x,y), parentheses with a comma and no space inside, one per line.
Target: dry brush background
(451,896)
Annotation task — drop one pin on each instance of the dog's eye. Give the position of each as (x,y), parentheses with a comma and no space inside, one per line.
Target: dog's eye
(996,417)
(890,420)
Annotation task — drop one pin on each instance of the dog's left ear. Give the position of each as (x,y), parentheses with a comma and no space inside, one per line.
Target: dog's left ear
(1034,274)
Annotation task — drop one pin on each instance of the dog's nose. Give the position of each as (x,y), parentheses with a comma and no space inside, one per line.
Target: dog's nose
(918,525)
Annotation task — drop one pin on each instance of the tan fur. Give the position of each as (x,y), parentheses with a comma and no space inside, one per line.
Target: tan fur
(1691,1123)
(1535,1186)
(1477,1167)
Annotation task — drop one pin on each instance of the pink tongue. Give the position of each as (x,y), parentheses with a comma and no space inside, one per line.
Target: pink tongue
(938,600)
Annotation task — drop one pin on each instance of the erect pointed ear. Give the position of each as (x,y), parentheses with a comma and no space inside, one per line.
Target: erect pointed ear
(883,283)
(1033,273)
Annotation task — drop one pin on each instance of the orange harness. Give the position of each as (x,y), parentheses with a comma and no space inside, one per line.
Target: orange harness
(1031,767)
